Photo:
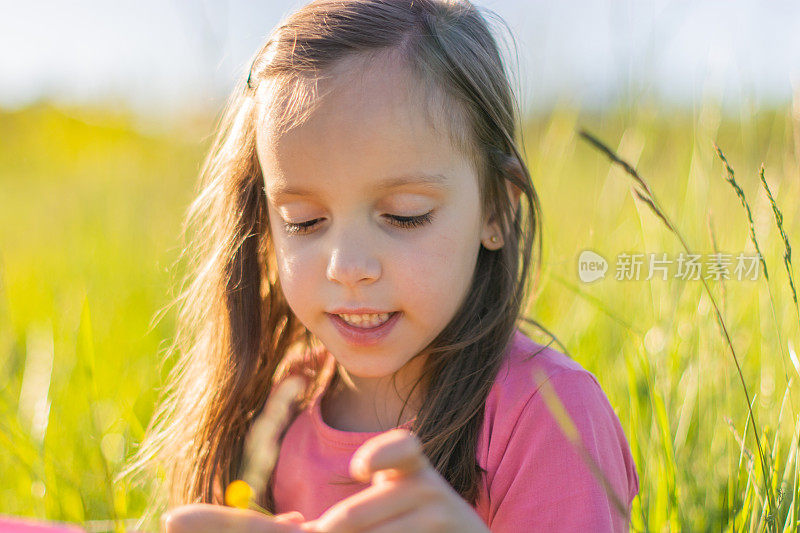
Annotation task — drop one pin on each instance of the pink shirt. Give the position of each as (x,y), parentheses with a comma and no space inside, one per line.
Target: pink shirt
(535,480)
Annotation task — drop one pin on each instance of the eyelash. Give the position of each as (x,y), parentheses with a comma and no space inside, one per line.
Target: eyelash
(302,228)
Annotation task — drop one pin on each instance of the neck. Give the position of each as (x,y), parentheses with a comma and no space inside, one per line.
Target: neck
(354,403)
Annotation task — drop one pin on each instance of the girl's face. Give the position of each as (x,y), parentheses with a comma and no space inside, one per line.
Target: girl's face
(372,211)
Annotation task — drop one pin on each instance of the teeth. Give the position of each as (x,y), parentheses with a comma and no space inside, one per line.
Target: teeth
(366,321)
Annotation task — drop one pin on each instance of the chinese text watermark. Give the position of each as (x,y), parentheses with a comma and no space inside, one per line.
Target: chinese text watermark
(715,266)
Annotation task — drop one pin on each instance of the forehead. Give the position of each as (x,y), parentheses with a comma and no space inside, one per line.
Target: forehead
(371,121)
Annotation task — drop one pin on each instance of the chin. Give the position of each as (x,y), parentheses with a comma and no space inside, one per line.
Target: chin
(366,364)
(368,371)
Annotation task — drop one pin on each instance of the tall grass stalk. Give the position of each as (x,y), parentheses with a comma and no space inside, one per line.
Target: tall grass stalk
(793,512)
(787,254)
(643,192)
(730,177)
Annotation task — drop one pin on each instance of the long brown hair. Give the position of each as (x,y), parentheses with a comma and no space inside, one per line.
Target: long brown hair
(235,326)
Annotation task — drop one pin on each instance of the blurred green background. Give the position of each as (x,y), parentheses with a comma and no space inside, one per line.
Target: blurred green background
(90,213)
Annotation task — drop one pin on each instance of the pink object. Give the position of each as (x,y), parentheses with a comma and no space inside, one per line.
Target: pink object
(535,480)
(19,525)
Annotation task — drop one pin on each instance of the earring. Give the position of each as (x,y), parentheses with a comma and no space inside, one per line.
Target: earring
(493,239)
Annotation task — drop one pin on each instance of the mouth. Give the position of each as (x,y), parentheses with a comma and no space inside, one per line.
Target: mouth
(365,330)
(366,320)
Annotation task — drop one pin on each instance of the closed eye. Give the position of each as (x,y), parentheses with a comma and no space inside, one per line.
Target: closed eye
(302,228)
(299,228)
(411,222)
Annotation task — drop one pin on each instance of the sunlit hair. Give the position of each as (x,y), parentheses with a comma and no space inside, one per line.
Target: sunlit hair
(235,326)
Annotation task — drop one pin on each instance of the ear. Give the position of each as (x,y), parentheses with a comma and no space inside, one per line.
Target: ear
(493,235)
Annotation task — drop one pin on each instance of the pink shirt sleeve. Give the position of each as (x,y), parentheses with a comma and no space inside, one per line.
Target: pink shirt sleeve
(543,484)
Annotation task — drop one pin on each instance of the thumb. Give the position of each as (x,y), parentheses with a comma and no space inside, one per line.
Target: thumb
(398,451)
(294,517)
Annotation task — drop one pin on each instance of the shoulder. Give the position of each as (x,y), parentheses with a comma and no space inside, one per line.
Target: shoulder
(526,366)
(541,406)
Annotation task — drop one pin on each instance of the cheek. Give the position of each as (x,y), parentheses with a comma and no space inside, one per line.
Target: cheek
(437,274)
(295,270)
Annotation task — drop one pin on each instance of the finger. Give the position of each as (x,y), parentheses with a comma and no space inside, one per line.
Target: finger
(397,450)
(294,517)
(421,519)
(199,518)
(374,505)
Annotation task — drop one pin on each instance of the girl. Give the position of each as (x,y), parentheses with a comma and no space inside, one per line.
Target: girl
(366,221)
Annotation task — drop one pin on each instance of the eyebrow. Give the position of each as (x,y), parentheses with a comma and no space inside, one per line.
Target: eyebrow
(428,180)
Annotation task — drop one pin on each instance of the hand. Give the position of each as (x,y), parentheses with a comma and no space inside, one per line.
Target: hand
(407,493)
(203,517)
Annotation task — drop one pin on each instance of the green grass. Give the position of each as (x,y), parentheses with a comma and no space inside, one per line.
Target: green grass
(90,216)
(90,212)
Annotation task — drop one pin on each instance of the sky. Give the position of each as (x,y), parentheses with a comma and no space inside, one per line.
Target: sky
(165,55)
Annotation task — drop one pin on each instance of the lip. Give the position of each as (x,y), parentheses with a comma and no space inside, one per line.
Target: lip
(357,311)
(364,337)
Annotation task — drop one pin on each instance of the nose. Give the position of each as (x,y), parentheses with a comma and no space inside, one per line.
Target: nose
(351,263)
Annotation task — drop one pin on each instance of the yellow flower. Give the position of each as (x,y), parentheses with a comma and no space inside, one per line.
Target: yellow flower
(238,494)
